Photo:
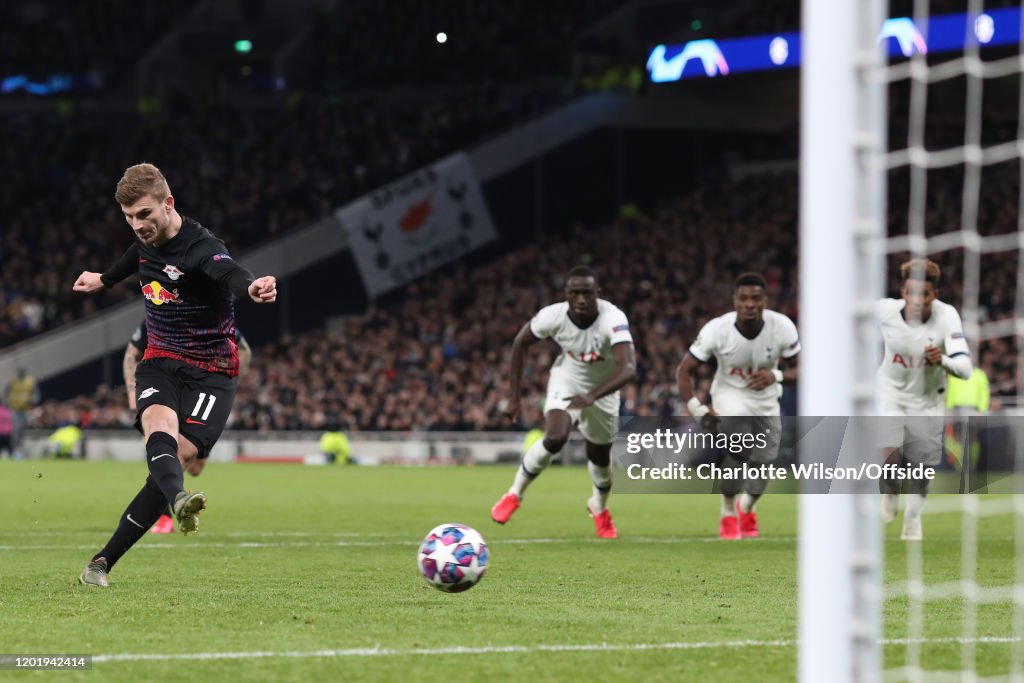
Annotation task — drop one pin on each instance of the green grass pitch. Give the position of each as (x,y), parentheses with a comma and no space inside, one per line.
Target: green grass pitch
(308,574)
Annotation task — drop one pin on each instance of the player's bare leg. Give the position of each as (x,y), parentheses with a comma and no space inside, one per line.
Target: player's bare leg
(557,425)
(728,522)
(917,492)
(890,489)
(599,466)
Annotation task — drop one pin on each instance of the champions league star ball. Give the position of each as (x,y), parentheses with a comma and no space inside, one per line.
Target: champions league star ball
(452,558)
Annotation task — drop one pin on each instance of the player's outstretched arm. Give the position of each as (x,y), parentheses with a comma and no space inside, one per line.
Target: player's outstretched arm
(217,264)
(523,341)
(263,290)
(88,282)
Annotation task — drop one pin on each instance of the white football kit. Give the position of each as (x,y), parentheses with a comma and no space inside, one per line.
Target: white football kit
(738,359)
(912,393)
(586,361)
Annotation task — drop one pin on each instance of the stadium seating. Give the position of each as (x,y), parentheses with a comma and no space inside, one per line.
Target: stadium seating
(437,360)
(99,40)
(250,174)
(253,175)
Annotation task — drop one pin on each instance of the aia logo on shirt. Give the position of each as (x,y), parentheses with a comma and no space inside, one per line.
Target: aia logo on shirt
(909,362)
(741,373)
(585,357)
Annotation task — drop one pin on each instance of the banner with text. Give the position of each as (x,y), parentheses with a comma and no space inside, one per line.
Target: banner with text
(409,227)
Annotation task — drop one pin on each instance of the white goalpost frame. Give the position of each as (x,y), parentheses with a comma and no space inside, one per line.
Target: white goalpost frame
(842,222)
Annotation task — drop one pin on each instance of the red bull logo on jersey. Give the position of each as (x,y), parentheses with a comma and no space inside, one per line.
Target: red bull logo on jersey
(156,293)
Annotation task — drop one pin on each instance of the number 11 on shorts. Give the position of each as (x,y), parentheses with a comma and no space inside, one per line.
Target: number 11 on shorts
(199,405)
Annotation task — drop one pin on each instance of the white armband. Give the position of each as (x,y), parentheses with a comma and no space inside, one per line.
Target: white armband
(778,375)
(959,365)
(696,408)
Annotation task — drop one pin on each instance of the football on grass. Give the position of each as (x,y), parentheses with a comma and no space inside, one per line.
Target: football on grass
(452,558)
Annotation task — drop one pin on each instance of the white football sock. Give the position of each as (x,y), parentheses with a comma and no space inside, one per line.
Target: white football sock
(535,461)
(747,502)
(602,478)
(915,503)
(728,506)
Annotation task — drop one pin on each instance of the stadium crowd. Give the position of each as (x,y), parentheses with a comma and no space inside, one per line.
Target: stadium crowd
(437,359)
(99,41)
(306,150)
(301,163)
(505,42)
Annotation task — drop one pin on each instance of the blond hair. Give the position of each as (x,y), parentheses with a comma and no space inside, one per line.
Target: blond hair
(924,270)
(140,180)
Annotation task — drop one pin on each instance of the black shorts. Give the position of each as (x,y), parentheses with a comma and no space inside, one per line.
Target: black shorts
(202,399)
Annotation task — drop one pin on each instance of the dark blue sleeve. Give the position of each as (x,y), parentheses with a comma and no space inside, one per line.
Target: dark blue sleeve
(125,266)
(216,263)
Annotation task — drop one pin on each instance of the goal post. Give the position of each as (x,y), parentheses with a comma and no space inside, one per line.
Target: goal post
(842,213)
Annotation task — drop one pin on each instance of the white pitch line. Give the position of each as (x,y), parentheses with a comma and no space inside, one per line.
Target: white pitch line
(164,544)
(509,649)
(199,545)
(262,534)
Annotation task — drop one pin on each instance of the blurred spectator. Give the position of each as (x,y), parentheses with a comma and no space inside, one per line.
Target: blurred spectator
(335,446)
(66,442)
(305,151)
(434,359)
(971,394)
(21,394)
(99,42)
(301,163)
(6,426)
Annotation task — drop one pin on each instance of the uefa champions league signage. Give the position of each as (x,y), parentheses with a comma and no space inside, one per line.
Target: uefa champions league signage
(706,58)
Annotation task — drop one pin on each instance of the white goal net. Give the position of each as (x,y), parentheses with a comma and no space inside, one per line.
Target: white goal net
(919,110)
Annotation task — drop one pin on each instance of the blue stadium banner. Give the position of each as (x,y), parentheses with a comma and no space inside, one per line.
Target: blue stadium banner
(902,36)
(409,227)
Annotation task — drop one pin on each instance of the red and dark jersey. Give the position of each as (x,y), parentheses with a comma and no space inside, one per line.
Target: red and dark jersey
(189,284)
(140,337)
